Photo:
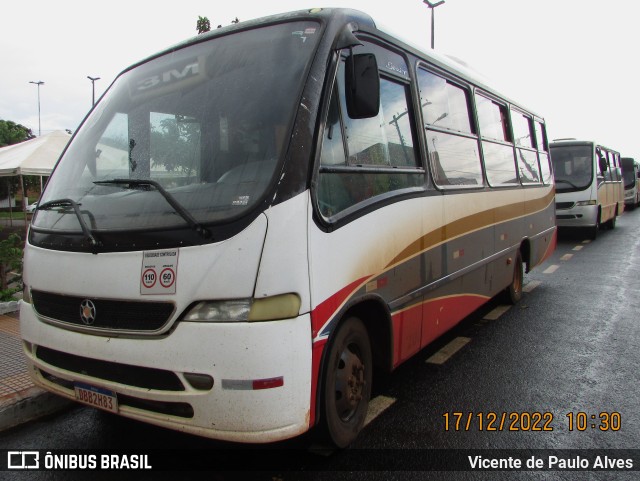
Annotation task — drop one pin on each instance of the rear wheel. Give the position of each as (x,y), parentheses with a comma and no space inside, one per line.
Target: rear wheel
(513,293)
(611,223)
(347,383)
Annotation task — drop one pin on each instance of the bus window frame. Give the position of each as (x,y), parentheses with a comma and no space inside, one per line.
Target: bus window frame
(468,88)
(370,204)
(531,149)
(505,109)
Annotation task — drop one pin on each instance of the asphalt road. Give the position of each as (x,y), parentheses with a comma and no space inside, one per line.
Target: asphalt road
(569,351)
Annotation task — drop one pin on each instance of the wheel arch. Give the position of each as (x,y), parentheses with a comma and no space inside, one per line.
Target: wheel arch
(374,312)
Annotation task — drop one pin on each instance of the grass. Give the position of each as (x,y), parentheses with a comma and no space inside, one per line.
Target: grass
(16,214)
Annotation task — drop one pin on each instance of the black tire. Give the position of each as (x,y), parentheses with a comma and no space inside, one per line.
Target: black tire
(611,223)
(346,387)
(513,293)
(593,231)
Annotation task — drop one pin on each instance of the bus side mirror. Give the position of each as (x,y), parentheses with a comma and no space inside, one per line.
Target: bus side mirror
(362,86)
(603,165)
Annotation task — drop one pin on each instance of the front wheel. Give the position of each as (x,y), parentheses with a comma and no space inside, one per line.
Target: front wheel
(347,382)
(593,231)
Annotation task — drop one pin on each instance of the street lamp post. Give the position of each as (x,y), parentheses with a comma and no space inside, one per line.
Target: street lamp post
(93,89)
(432,6)
(38,83)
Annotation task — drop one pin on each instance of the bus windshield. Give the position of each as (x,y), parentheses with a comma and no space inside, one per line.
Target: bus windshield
(192,137)
(628,173)
(573,167)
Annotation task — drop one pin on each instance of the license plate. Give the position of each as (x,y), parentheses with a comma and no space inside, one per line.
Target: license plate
(97,397)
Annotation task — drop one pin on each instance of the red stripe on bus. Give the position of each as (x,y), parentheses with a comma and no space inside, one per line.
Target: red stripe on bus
(327,308)
(267,383)
(416,327)
(316,358)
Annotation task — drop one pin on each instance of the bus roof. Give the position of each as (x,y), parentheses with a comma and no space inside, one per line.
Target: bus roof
(365,23)
(561,142)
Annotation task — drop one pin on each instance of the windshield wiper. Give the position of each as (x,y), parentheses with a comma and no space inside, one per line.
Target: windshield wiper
(177,207)
(567,182)
(76,210)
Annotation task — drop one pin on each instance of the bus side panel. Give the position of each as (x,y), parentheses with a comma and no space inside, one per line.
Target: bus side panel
(373,256)
(374,252)
(540,224)
(284,266)
(431,272)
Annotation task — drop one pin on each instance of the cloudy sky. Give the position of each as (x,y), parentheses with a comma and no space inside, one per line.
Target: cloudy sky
(575,62)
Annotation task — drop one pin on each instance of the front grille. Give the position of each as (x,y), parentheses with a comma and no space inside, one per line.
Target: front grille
(564,205)
(179,409)
(144,377)
(109,314)
(565,217)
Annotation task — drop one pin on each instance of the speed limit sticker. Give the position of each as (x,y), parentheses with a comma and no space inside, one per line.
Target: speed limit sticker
(159,273)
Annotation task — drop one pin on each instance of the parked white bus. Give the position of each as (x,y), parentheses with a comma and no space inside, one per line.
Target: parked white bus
(250,224)
(631,178)
(589,189)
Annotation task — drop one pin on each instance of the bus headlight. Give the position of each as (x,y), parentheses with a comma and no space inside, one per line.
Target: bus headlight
(219,311)
(582,203)
(284,306)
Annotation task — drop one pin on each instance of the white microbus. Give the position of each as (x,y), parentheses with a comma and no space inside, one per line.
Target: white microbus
(631,178)
(589,189)
(250,224)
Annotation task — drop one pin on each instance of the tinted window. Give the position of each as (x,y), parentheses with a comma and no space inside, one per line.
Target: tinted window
(492,119)
(443,104)
(453,149)
(545,168)
(198,122)
(528,166)
(385,140)
(541,137)
(499,164)
(379,150)
(572,166)
(522,130)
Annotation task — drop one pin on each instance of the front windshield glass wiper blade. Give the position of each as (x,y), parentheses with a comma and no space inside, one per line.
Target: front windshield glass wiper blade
(177,207)
(76,209)
(567,182)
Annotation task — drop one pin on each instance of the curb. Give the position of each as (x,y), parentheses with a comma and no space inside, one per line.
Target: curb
(9,307)
(27,405)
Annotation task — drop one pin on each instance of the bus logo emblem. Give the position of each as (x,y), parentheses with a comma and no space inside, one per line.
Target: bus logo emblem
(87,312)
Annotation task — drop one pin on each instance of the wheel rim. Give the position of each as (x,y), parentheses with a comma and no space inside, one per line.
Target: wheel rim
(350,382)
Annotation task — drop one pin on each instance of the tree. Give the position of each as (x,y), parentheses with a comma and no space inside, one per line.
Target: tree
(12,133)
(203,25)
(10,260)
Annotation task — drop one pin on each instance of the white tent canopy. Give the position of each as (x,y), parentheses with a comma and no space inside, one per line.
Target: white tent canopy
(33,157)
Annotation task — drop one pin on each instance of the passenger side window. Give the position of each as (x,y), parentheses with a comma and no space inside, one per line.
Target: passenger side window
(543,153)
(497,149)
(615,164)
(526,152)
(451,140)
(365,158)
(385,140)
